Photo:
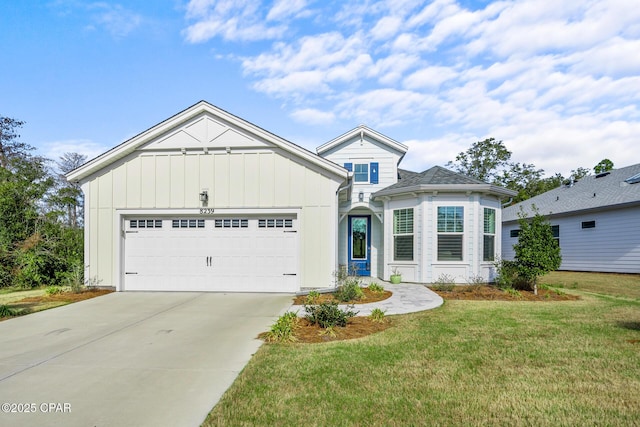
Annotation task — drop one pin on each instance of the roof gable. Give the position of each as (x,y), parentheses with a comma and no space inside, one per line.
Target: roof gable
(591,192)
(359,133)
(201,126)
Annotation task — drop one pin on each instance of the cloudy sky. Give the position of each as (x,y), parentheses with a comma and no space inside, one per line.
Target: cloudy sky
(557,81)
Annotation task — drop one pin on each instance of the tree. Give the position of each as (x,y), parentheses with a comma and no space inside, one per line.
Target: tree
(536,252)
(68,195)
(10,145)
(483,161)
(604,165)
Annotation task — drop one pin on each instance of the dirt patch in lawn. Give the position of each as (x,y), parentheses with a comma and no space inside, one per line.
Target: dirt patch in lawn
(369,297)
(43,302)
(492,293)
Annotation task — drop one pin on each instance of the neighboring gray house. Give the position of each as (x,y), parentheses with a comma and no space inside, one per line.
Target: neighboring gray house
(596,221)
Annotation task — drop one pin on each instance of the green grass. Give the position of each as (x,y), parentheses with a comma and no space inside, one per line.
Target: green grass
(466,363)
(619,285)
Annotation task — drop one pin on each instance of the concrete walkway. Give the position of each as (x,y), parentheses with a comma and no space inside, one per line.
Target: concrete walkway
(405,298)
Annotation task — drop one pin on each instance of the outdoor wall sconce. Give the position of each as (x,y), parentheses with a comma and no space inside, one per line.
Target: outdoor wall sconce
(204,196)
(361,196)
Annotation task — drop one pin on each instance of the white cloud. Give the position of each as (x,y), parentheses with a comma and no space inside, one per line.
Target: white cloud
(542,75)
(117,20)
(312,116)
(54,149)
(283,9)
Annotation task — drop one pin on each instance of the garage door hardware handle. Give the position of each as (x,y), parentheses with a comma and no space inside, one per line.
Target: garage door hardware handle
(209,261)
(289,274)
(131,272)
(290,231)
(129,231)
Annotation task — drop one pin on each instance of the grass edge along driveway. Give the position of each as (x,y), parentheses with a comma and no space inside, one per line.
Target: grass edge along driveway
(466,363)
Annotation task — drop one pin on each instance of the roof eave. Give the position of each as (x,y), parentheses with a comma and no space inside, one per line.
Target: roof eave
(401,148)
(447,188)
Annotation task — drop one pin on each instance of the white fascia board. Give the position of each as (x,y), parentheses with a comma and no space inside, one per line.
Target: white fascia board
(447,188)
(201,107)
(401,148)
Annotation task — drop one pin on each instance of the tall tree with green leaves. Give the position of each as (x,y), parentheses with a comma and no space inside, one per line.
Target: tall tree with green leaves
(483,160)
(536,252)
(604,165)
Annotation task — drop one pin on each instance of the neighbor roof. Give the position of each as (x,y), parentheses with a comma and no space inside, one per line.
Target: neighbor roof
(202,107)
(439,179)
(602,191)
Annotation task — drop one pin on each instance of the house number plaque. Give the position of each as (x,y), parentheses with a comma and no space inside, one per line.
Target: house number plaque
(206,211)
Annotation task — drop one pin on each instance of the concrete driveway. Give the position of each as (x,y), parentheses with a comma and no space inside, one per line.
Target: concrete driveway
(129,359)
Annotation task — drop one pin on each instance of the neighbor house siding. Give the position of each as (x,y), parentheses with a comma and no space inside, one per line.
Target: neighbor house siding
(612,246)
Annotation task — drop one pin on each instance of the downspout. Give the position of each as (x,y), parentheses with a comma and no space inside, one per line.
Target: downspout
(507,202)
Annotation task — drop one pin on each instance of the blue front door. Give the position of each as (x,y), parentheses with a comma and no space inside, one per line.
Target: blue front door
(360,245)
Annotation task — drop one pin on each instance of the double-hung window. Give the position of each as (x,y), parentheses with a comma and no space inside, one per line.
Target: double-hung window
(403,234)
(361,172)
(450,233)
(489,240)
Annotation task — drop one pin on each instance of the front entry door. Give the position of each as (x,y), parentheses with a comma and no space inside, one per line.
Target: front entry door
(360,244)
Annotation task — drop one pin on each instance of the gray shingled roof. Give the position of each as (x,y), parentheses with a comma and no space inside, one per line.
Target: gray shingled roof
(586,194)
(436,179)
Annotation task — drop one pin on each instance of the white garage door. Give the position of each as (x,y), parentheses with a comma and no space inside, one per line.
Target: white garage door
(214,254)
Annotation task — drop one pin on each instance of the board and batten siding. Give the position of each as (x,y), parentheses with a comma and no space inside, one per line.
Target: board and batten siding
(612,246)
(250,179)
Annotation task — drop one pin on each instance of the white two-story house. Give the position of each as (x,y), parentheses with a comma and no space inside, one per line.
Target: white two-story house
(422,225)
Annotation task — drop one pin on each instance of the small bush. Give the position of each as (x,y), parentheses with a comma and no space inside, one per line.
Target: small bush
(377,315)
(350,290)
(513,292)
(445,283)
(283,328)
(53,290)
(475,282)
(312,297)
(328,314)
(6,311)
(376,288)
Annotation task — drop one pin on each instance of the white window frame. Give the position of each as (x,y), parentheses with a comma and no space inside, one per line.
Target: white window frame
(444,230)
(356,172)
(405,231)
(488,233)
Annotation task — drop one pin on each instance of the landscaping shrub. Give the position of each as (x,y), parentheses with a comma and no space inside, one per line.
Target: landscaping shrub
(53,290)
(374,287)
(328,314)
(445,283)
(312,297)
(6,311)
(377,315)
(350,290)
(283,328)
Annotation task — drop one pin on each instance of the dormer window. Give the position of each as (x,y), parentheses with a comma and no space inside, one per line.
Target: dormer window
(361,172)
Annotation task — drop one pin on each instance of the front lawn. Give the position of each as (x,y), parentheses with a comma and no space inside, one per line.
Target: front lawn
(465,363)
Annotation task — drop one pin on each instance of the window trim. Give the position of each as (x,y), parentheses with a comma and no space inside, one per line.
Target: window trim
(403,233)
(357,172)
(588,224)
(443,229)
(488,234)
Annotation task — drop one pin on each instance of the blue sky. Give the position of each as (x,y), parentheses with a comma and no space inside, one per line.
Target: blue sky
(557,81)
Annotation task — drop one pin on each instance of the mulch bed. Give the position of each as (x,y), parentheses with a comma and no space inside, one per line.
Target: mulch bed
(359,327)
(67,296)
(492,293)
(369,297)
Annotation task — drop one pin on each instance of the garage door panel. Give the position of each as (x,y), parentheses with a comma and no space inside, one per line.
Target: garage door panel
(208,258)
